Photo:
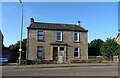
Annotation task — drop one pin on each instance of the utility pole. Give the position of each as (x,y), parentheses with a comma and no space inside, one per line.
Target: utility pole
(21,28)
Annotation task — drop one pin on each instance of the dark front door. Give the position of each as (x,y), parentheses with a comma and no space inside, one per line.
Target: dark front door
(55,53)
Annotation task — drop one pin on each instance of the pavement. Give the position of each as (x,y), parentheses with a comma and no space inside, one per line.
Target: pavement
(8,64)
(15,66)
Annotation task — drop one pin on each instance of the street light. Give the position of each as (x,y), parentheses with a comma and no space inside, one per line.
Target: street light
(21,27)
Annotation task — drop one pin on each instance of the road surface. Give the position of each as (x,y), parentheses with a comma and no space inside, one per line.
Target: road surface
(64,71)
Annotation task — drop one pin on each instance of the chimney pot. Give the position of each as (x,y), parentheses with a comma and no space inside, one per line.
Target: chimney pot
(78,23)
(32,20)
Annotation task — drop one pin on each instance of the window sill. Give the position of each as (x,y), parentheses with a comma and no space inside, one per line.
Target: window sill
(76,41)
(76,57)
(39,58)
(59,41)
(41,40)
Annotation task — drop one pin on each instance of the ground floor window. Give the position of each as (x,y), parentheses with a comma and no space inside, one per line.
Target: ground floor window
(76,52)
(61,51)
(39,52)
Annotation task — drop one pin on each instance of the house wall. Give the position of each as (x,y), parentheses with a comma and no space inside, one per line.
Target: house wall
(118,39)
(50,37)
(1,43)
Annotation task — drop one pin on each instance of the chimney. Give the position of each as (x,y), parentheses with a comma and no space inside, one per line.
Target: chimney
(32,20)
(78,23)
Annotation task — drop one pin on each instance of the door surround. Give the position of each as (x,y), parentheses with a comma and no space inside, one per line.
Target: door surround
(56,56)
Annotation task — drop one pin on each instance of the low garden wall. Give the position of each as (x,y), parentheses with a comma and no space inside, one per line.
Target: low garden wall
(36,62)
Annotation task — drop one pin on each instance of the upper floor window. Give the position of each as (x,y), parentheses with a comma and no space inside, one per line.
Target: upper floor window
(59,36)
(76,36)
(39,51)
(40,35)
(76,53)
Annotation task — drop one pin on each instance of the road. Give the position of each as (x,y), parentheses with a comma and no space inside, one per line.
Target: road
(64,71)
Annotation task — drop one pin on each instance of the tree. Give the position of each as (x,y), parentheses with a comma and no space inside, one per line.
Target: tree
(94,49)
(14,48)
(109,48)
(117,52)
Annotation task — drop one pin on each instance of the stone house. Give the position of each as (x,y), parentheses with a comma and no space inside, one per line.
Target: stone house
(57,42)
(1,43)
(117,39)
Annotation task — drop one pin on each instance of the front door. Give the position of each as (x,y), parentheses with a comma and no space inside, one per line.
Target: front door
(55,53)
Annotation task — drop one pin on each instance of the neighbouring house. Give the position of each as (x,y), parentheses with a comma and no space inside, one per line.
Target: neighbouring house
(12,56)
(117,39)
(1,43)
(57,42)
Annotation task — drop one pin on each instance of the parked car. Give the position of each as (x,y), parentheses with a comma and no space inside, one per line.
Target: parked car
(3,60)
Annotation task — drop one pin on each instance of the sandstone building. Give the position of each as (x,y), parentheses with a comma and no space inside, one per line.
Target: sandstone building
(1,43)
(118,37)
(57,42)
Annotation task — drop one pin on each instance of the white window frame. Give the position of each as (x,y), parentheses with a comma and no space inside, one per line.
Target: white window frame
(78,35)
(61,52)
(78,52)
(60,36)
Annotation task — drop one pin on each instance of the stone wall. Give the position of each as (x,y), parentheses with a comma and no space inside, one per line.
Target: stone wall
(50,37)
(118,39)
(1,42)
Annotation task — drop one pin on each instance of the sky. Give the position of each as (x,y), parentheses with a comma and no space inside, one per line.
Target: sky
(99,18)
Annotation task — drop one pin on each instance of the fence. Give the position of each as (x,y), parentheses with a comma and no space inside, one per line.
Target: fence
(95,57)
(115,58)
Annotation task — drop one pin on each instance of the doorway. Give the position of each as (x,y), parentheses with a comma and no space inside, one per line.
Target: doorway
(55,53)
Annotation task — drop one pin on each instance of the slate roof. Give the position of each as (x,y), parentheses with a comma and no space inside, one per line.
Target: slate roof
(55,26)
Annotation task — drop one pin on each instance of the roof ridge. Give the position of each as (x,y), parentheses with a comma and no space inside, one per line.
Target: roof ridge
(60,24)
(54,23)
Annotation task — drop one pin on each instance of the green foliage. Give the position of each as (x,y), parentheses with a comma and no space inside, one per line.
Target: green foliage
(16,46)
(94,49)
(117,52)
(110,48)
(14,49)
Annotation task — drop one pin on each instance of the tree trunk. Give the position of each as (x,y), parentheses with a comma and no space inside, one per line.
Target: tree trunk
(111,58)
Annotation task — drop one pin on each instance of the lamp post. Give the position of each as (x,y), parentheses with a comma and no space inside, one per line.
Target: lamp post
(21,28)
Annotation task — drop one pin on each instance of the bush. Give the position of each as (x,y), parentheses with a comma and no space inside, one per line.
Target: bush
(29,62)
(86,61)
